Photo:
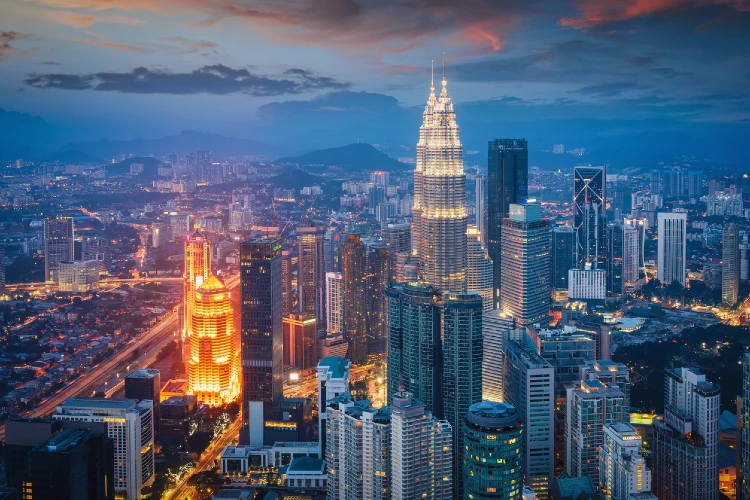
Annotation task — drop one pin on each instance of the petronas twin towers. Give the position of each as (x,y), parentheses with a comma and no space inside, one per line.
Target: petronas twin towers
(439,215)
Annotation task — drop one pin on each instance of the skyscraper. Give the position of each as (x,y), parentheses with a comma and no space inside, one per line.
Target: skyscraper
(414,343)
(525,264)
(462,364)
(730,264)
(529,385)
(610,373)
(589,198)
(299,341)
(631,247)
(479,268)
(197,269)
(622,469)
(493,458)
(564,258)
(439,213)
(397,237)
(672,247)
(381,271)
(685,445)
(508,182)
(495,328)
(334,303)
(213,366)
(261,328)
(287,294)
(480,186)
(333,379)
(421,452)
(354,285)
(743,483)
(311,273)
(615,283)
(58,244)
(145,383)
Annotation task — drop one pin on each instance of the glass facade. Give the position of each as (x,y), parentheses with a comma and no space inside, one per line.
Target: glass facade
(589,197)
(354,276)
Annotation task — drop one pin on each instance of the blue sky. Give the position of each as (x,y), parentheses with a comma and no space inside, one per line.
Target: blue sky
(128,68)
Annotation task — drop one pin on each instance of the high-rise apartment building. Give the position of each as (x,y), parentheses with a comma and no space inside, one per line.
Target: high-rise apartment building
(332,250)
(529,385)
(334,303)
(129,423)
(671,247)
(333,379)
(589,199)
(414,343)
(381,271)
(493,452)
(59,244)
(358,450)
(480,206)
(299,331)
(311,273)
(261,322)
(564,258)
(623,474)
(397,237)
(462,364)
(507,182)
(587,283)
(197,270)
(354,286)
(439,212)
(631,253)
(495,328)
(421,452)
(685,446)
(610,373)
(730,264)
(479,268)
(590,405)
(525,265)
(287,291)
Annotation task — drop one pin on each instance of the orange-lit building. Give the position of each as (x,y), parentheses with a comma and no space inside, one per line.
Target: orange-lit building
(197,269)
(299,341)
(213,366)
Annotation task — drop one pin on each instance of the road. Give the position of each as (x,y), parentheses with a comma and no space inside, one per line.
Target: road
(206,462)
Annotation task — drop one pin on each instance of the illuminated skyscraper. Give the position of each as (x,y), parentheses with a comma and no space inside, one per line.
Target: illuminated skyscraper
(58,245)
(354,276)
(380,261)
(311,273)
(481,208)
(261,331)
(730,264)
(589,198)
(299,341)
(671,248)
(631,252)
(479,268)
(197,269)
(334,303)
(286,283)
(439,213)
(508,182)
(213,366)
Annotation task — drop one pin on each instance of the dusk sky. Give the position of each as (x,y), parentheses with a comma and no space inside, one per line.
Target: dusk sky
(129,68)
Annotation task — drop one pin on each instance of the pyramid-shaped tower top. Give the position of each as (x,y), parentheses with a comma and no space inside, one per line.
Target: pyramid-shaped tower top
(212,284)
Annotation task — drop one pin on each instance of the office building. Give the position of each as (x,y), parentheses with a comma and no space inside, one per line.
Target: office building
(310,273)
(564,258)
(287,290)
(421,452)
(525,265)
(197,269)
(495,328)
(59,244)
(22,436)
(493,452)
(589,199)
(610,373)
(480,205)
(381,271)
(354,287)
(743,409)
(334,303)
(479,268)
(622,201)
(587,283)
(261,324)
(358,450)
(129,423)
(145,383)
(685,446)
(414,343)
(97,248)
(333,379)
(78,276)
(631,253)
(590,404)
(507,182)
(640,225)
(462,364)
(529,385)
(397,237)
(622,468)
(213,366)
(672,247)
(299,332)
(615,283)
(439,213)
(730,264)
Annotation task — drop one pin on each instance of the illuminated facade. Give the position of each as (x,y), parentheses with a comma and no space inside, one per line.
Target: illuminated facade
(311,273)
(730,264)
(197,269)
(299,341)
(589,198)
(58,245)
(213,366)
(439,213)
(479,267)
(622,469)
(354,277)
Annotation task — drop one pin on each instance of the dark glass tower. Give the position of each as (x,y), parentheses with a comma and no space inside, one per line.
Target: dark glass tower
(589,197)
(354,277)
(380,262)
(563,259)
(508,182)
(614,260)
(146,384)
(261,326)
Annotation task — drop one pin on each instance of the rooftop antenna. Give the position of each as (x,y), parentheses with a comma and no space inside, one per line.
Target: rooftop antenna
(443,66)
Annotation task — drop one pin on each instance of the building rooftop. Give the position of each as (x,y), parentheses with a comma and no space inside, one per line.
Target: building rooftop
(144,373)
(212,284)
(492,414)
(310,465)
(336,365)
(575,487)
(100,403)
(178,401)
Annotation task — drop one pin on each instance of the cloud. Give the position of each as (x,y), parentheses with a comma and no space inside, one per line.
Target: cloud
(109,44)
(607,89)
(6,39)
(217,79)
(191,46)
(79,20)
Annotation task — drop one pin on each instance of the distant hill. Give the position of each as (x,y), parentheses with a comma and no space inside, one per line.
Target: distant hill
(294,178)
(150,166)
(353,158)
(187,142)
(74,157)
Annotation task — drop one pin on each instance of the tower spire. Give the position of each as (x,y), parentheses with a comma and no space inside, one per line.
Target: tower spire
(444,92)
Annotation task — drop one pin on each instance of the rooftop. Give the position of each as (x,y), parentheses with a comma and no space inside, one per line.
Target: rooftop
(144,373)
(100,403)
(336,365)
(308,465)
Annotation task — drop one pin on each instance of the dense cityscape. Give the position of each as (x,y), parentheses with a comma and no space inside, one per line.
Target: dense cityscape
(205,317)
